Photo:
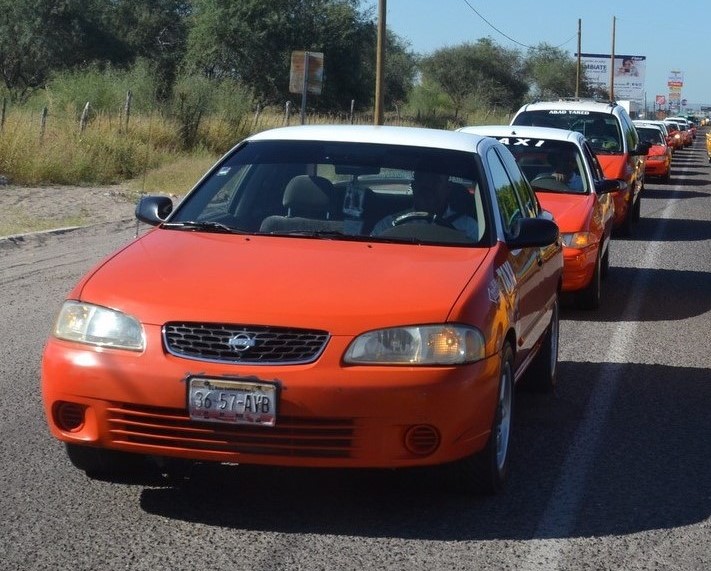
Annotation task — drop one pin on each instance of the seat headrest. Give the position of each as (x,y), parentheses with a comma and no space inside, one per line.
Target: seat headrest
(308,195)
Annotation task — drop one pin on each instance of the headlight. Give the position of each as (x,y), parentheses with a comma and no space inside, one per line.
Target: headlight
(95,325)
(579,239)
(417,345)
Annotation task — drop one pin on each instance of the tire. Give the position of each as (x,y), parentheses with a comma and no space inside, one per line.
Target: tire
(589,297)
(109,465)
(486,472)
(625,228)
(637,209)
(605,267)
(541,376)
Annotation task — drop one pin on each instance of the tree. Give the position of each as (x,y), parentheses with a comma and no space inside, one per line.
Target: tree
(553,73)
(252,41)
(38,37)
(155,30)
(482,73)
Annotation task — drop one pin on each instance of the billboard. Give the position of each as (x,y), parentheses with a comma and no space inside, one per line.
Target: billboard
(629,73)
(676,79)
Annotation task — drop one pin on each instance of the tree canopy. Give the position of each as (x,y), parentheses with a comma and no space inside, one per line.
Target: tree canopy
(249,42)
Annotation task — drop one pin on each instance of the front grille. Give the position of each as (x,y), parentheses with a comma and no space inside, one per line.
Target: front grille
(173,429)
(243,343)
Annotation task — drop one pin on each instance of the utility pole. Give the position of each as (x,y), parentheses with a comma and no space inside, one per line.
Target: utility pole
(612,64)
(380,63)
(577,68)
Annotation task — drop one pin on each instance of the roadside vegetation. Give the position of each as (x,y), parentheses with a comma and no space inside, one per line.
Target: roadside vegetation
(149,93)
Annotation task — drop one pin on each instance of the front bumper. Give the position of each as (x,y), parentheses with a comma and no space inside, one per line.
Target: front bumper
(329,415)
(578,267)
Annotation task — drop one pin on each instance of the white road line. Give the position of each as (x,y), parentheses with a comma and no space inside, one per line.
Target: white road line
(558,520)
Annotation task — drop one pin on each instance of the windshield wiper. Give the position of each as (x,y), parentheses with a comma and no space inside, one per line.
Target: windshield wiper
(206,225)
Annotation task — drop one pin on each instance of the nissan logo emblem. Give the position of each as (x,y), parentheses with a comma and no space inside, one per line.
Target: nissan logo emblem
(240,342)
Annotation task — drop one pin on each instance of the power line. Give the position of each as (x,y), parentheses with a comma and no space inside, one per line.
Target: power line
(509,37)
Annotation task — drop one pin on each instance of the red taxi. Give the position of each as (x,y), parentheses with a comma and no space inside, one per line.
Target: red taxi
(612,136)
(569,183)
(326,296)
(659,156)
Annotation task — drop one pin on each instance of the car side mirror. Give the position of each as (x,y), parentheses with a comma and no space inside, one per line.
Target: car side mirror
(154,210)
(608,185)
(532,232)
(642,149)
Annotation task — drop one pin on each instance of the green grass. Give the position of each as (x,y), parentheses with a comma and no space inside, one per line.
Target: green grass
(22,223)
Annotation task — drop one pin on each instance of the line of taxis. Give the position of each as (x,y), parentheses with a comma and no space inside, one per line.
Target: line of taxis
(344,297)
(588,161)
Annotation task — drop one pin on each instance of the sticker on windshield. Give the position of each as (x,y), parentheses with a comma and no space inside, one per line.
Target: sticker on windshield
(568,112)
(223,171)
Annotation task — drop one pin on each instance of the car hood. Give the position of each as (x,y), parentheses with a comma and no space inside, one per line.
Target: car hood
(344,287)
(572,212)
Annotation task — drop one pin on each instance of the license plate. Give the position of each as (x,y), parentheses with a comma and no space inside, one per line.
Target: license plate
(232,401)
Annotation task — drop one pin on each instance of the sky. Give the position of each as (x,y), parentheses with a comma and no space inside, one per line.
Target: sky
(673,36)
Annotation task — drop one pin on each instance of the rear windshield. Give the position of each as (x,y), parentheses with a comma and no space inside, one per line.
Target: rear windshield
(601,129)
(651,135)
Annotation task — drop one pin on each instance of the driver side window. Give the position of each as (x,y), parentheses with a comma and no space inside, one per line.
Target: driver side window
(509,205)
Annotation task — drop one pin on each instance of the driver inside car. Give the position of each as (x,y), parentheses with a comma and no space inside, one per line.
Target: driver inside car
(432,202)
(566,170)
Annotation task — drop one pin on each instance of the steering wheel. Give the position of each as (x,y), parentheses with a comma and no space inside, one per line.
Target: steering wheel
(422,216)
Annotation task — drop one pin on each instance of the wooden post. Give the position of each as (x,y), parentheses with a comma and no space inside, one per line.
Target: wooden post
(612,63)
(43,123)
(287,113)
(257,113)
(577,67)
(352,106)
(127,110)
(2,115)
(380,63)
(84,117)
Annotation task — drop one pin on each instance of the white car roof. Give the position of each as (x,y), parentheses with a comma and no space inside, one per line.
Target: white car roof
(578,104)
(525,132)
(649,124)
(389,135)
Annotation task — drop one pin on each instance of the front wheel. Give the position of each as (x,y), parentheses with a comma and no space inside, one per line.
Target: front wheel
(542,374)
(486,471)
(590,296)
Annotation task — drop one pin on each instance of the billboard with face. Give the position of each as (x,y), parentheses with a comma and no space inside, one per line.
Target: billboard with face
(628,74)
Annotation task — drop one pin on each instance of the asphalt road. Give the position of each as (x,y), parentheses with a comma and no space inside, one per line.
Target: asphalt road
(612,472)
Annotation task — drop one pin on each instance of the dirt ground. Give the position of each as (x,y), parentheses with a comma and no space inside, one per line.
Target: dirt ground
(31,209)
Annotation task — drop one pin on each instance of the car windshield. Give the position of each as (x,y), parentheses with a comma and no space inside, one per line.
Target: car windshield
(601,129)
(551,166)
(341,191)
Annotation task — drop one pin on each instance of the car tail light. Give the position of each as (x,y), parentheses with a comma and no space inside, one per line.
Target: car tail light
(69,416)
(422,439)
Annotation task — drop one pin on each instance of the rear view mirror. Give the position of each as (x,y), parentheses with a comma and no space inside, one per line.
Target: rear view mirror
(532,232)
(608,185)
(154,210)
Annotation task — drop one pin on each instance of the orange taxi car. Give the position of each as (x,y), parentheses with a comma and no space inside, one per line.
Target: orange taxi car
(659,156)
(613,138)
(569,183)
(326,296)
